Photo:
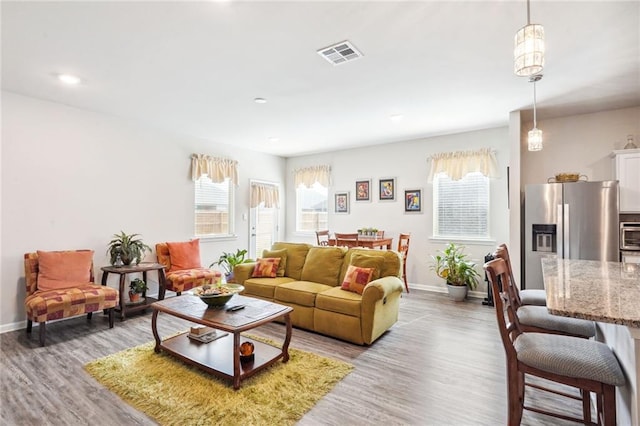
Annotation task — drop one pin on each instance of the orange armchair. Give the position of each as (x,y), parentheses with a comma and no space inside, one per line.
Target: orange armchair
(183,270)
(60,284)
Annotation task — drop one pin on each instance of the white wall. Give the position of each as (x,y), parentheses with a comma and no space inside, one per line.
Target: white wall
(579,143)
(407,162)
(71,178)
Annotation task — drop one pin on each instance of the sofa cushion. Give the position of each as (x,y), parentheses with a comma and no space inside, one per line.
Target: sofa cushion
(63,269)
(282,254)
(356,279)
(185,255)
(266,267)
(365,260)
(391,265)
(337,300)
(264,287)
(296,255)
(301,293)
(323,265)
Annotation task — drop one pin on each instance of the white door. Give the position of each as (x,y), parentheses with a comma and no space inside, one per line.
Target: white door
(263,226)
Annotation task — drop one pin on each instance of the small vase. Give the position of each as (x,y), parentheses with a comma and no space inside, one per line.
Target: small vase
(134,297)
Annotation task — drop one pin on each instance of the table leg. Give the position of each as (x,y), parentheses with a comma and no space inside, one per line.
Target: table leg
(154,329)
(122,302)
(287,340)
(236,360)
(161,284)
(104,282)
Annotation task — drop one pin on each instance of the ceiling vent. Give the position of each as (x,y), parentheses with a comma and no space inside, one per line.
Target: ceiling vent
(340,53)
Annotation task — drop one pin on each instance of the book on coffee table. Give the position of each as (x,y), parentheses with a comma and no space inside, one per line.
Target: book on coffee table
(208,337)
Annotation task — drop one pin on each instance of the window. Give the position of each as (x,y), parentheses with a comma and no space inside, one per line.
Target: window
(213,207)
(461,207)
(311,208)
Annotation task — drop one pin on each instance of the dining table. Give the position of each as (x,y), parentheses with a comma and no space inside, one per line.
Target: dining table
(368,242)
(609,294)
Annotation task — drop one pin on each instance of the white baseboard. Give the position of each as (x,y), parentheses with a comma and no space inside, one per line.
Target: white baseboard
(442,289)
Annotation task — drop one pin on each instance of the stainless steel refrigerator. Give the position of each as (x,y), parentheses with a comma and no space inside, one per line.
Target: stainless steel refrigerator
(576,220)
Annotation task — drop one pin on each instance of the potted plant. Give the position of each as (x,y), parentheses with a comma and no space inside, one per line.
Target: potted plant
(136,288)
(126,249)
(228,261)
(453,265)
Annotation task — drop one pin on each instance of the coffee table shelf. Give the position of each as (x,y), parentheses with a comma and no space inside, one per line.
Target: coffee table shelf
(217,357)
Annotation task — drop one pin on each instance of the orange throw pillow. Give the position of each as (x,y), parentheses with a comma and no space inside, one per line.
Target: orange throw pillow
(356,279)
(185,255)
(63,269)
(266,268)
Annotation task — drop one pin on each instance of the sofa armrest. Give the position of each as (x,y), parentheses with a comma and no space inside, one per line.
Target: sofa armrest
(381,288)
(243,271)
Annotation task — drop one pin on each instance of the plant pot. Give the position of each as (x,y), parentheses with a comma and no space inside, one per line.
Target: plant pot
(457,293)
(229,278)
(134,297)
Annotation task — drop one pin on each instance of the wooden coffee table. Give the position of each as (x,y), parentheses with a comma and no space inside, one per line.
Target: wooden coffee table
(221,357)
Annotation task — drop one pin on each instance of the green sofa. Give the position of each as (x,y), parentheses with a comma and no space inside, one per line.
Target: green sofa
(311,284)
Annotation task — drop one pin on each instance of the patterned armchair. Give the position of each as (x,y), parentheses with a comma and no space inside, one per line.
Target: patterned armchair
(60,284)
(183,270)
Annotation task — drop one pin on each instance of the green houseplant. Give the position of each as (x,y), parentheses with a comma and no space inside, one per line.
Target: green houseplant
(228,261)
(453,265)
(128,248)
(136,288)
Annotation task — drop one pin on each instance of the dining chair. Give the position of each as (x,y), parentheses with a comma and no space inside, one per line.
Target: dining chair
(537,319)
(403,249)
(347,240)
(380,234)
(528,296)
(322,237)
(586,365)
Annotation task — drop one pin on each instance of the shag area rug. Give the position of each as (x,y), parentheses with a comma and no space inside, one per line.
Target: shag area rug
(173,393)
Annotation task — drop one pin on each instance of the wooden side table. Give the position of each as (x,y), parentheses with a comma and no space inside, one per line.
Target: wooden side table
(122,271)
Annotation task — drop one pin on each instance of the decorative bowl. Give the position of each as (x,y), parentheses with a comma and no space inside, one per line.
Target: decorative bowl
(214,295)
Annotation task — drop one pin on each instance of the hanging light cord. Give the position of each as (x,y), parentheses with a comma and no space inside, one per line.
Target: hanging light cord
(535,121)
(528,20)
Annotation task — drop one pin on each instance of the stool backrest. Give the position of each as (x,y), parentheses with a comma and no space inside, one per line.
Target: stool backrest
(497,272)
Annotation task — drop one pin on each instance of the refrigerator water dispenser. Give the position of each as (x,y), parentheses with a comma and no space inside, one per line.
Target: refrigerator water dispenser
(544,238)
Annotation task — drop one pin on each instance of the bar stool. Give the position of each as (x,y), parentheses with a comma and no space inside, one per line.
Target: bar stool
(537,319)
(587,365)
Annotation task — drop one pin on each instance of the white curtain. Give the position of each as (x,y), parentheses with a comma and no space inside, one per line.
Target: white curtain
(310,175)
(216,168)
(263,192)
(457,164)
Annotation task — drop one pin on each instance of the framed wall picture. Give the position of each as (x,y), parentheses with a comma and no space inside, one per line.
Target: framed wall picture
(387,189)
(363,190)
(342,202)
(413,200)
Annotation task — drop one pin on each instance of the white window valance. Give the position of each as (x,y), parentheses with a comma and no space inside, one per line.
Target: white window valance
(264,193)
(457,164)
(218,169)
(310,175)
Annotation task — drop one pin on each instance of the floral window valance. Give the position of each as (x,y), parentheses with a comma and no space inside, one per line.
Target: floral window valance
(310,175)
(457,164)
(218,169)
(264,193)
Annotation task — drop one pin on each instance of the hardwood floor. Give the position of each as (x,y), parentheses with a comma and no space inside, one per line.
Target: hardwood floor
(441,364)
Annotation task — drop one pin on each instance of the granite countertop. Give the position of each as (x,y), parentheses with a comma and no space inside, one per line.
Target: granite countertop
(594,290)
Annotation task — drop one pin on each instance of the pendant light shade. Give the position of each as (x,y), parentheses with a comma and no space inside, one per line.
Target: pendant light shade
(534,140)
(528,53)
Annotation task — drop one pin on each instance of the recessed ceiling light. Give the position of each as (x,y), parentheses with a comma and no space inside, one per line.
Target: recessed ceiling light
(396,117)
(260,100)
(273,139)
(69,79)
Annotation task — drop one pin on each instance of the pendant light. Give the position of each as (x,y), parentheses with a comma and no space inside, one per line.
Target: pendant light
(528,53)
(534,139)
